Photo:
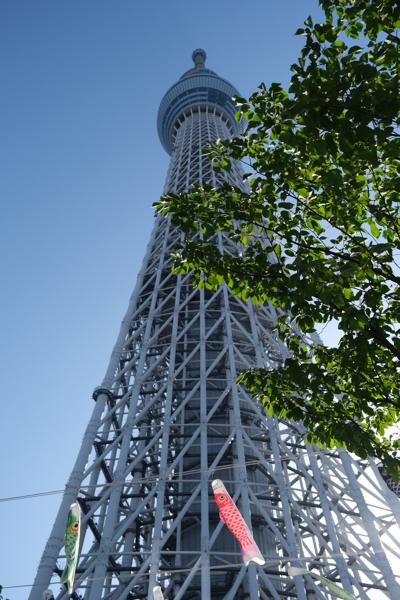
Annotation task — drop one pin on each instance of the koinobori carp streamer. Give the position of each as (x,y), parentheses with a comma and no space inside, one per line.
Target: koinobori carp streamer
(230,515)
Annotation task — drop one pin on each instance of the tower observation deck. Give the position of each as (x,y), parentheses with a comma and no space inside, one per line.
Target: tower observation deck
(169,417)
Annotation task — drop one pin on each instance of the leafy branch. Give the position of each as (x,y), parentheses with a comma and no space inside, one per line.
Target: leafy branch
(314,228)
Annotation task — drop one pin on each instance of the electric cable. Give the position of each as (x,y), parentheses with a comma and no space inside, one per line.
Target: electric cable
(154,478)
(273,561)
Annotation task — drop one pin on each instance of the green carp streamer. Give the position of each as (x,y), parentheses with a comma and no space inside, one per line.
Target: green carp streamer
(71,543)
(332,587)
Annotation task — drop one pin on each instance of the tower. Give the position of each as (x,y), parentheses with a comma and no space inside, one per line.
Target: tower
(169,416)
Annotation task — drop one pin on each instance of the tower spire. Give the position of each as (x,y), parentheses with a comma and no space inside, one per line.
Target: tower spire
(199,58)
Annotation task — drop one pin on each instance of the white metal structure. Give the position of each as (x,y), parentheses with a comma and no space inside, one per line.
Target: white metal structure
(169,417)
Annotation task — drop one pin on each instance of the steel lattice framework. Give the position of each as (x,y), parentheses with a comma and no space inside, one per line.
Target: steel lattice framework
(169,416)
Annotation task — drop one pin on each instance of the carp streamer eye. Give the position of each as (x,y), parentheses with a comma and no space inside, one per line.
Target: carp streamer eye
(222,497)
(75,526)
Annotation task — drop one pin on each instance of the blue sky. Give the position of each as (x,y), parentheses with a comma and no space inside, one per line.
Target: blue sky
(81,164)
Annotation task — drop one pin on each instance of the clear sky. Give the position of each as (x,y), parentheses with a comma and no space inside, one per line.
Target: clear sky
(81,164)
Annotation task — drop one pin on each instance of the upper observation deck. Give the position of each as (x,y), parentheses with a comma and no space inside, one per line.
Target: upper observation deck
(198,88)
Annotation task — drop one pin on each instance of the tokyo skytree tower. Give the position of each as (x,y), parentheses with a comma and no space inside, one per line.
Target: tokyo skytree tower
(169,417)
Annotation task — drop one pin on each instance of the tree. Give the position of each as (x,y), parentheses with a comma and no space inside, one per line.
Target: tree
(318,227)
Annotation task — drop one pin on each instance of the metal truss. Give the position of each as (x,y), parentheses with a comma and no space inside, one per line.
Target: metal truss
(189,164)
(170,416)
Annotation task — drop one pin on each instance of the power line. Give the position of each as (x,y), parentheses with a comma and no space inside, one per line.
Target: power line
(155,478)
(272,562)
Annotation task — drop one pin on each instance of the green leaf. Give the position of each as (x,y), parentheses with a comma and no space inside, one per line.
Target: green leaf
(374,229)
(347,293)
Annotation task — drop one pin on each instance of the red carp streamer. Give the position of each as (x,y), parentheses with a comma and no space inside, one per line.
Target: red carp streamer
(230,515)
